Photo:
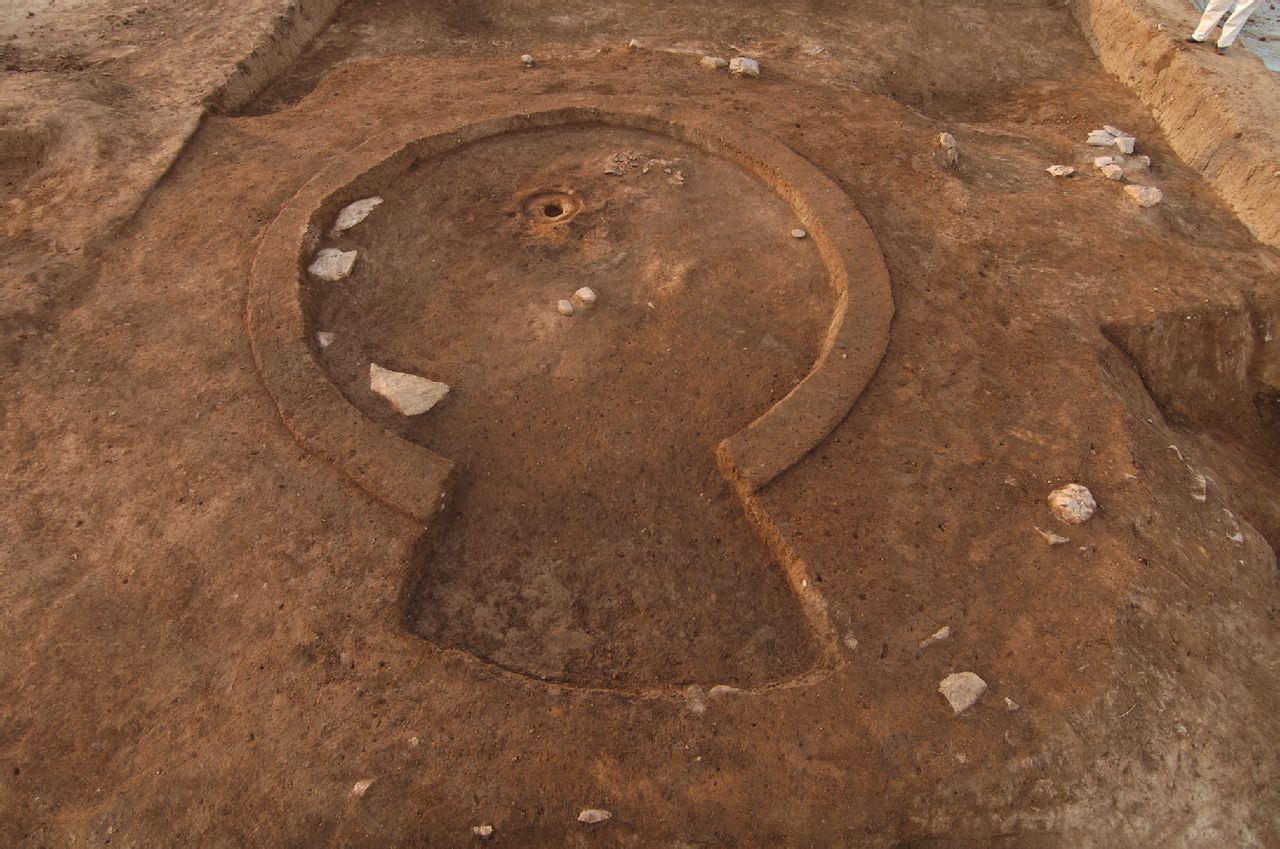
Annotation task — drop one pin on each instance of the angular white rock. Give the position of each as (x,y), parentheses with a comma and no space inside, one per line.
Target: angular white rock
(1101,138)
(744,67)
(332,264)
(1113,131)
(325,338)
(353,213)
(565,307)
(1061,170)
(485,830)
(634,44)
(1099,161)
(361,787)
(714,63)
(594,815)
(408,394)
(1010,705)
(1113,171)
(585,297)
(527,59)
(1072,503)
(1144,196)
(962,689)
(1126,143)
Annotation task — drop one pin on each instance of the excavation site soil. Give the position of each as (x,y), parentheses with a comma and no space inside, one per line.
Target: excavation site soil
(683,560)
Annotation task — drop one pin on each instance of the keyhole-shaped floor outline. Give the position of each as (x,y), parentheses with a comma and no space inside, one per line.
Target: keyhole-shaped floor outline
(419,482)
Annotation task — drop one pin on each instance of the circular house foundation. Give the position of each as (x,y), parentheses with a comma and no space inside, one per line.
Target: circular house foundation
(634,342)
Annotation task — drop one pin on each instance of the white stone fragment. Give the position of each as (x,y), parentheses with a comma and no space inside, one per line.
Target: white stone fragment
(1101,138)
(361,787)
(324,338)
(594,815)
(744,67)
(714,63)
(1072,503)
(1126,143)
(332,264)
(565,307)
(962,689)
(1052,538)
(408,394)
(1061,170)
(1113,171)
(950,148)
(526,59)
(353,213)
(585,297)
(1010,705)
(485,830)
(1113,131)
(634,44)
(1099,161)
(850,641)
(798,233)
(1144,196)
(943,633)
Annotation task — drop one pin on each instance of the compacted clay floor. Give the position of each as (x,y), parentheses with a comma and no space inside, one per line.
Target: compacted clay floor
(209,640)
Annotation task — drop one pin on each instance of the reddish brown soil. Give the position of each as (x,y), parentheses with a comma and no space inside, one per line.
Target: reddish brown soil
(207,647)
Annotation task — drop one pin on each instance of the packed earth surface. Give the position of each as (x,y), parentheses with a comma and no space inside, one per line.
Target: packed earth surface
(596,635)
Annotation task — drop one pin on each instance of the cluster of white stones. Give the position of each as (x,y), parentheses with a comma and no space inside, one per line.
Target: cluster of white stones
(408,394)
(583,298)
(1121,164)
(739,66)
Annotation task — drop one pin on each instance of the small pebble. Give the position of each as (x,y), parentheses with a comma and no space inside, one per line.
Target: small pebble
(565,307)
(714,63)
(634,44)
(1144,196)
(943,633)
(584,297)
(526,59)
(744,67)
(485,830)
(1072,503)
(798,233)
(594,815)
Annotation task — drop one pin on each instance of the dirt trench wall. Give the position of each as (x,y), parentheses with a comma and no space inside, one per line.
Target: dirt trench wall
(1220,113)
(293,29)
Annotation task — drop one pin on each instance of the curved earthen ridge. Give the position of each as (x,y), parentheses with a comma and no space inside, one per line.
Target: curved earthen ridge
(414,480)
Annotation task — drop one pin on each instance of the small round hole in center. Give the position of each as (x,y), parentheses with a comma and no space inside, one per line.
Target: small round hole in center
(553,210)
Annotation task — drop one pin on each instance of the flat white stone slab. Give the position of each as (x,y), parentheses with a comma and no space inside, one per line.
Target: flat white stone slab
(962,689)
(332,265)
(408,394)
(1061,170)
(353,213)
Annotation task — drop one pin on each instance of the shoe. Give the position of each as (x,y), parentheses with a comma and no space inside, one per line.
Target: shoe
(1222,51)
(1191,39)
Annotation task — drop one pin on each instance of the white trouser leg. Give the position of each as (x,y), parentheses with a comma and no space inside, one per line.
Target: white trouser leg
(1231,29)
(1212,14)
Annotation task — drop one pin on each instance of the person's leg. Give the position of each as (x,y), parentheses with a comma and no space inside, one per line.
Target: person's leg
(1231,29)
(1212,14)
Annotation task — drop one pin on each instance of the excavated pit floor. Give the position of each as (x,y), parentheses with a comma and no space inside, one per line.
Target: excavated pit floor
(591,538)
